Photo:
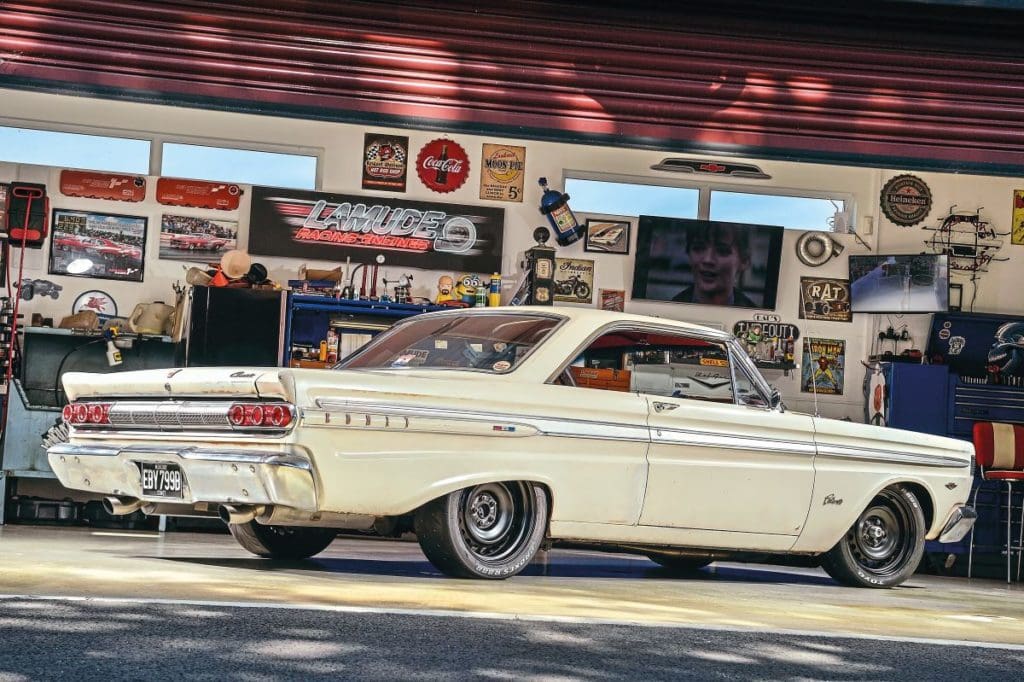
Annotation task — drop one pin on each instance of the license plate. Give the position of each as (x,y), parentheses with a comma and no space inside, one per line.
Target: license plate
(161,480)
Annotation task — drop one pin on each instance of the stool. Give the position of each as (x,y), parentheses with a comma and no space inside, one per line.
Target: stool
(999,452)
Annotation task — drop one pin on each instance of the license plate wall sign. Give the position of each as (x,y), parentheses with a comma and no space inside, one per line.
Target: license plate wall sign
(102,186)
(419,234)
(198,194)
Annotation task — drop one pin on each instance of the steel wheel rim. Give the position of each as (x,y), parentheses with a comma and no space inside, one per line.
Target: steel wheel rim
(882,538)
(495,519)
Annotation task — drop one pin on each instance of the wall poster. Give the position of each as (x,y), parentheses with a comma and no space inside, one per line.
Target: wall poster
(574,280)
(102,245)
(612,299)
(1017,221)
(825,299)
(504,167)
(421,234)
(196,239)
(824,364)
(385,162)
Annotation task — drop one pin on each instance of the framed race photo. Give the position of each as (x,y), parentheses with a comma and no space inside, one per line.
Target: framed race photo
(99,245)
(195,239)
(607,236)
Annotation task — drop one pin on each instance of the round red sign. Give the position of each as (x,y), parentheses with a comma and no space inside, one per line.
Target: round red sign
(442,165)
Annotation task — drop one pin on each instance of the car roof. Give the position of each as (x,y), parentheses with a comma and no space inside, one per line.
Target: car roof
(595,318)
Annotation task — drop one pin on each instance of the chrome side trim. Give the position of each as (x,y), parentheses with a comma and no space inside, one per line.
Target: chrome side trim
(874,455)
(717,440)
(187,452)
(570,428)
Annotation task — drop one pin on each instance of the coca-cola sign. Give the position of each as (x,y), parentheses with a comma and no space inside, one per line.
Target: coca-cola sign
(442,165)
(433,236)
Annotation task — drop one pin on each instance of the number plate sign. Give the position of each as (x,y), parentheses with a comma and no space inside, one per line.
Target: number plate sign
(161,480)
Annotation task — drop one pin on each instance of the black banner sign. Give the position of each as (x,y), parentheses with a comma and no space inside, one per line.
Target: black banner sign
(420,234)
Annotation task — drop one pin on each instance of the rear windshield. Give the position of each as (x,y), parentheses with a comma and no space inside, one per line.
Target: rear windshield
(492,342)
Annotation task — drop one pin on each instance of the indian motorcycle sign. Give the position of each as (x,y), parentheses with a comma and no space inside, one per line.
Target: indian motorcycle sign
(419,234)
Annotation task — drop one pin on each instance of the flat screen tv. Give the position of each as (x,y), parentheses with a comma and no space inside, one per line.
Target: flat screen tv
(899,284)
(706,261)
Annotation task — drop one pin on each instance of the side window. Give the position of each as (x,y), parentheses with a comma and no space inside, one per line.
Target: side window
(746,391)
(648,362)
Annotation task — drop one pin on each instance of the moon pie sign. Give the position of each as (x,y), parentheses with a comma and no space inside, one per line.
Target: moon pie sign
(906,200)
(442,165)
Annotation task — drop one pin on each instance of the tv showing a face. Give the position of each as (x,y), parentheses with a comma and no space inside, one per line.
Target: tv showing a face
(707,262)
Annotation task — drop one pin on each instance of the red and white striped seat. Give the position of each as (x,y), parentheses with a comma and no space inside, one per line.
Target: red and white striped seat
(999,452)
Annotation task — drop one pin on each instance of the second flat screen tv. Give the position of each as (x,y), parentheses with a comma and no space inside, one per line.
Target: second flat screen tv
(706,261)
(899,284)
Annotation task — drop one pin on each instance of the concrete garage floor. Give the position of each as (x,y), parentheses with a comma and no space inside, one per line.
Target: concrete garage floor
(568,586)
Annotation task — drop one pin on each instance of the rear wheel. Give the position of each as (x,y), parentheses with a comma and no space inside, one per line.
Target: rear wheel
(282,542)
(884,546)
(680,564)
(488,531)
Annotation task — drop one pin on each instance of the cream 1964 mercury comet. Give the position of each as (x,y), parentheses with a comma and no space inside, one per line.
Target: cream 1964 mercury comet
(491,432)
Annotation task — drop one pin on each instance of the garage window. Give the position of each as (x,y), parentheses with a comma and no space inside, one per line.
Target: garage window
(248,166)
(629,196)
(74,150)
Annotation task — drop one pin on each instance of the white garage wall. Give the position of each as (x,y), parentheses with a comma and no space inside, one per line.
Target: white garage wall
(340,172)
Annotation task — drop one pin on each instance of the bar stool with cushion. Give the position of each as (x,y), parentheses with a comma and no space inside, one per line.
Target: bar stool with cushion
(999,452)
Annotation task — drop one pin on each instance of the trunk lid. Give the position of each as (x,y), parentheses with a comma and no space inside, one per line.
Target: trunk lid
(193,382)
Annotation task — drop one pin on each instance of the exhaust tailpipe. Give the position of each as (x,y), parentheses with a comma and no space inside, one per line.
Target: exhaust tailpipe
(115,506)
(234,515)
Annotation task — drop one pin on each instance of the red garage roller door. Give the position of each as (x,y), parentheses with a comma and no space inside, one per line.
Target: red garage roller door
(893,83)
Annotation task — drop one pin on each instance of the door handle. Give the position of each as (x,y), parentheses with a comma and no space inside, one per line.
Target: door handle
(664,407)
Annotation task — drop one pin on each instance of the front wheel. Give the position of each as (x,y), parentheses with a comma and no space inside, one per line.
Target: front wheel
(884,546)
(282,542)
(487,531)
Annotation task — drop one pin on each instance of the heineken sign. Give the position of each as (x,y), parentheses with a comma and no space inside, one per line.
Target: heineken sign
(420,234)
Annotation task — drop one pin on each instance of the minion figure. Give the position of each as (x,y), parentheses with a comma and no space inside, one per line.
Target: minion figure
(445,287)
(465,290)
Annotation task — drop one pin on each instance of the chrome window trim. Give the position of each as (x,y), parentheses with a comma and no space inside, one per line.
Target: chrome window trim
(560,322)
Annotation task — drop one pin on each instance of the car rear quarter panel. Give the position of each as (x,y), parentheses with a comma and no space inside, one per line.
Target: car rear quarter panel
(386,443)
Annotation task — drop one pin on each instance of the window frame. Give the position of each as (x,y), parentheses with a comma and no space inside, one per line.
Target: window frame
(157,152)
(156,141)
(93,131)
(706,188)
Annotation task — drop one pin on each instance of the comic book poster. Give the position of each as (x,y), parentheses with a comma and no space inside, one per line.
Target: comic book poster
(823,367)
(1017,222)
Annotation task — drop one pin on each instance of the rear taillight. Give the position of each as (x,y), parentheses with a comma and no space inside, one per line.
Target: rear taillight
(82,414)
(260,415)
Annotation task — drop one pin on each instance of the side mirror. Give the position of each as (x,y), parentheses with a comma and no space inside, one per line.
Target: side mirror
(776,401)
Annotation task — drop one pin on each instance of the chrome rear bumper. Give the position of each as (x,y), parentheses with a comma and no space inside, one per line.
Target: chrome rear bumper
(959,523)
(212,475)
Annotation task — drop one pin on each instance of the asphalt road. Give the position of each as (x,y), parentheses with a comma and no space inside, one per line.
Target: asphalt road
(97,640)
(81,604)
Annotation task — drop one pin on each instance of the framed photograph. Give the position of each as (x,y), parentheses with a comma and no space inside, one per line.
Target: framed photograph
(196,239)
(100,245)
(607,236)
